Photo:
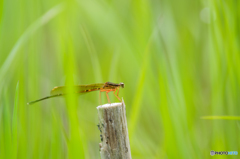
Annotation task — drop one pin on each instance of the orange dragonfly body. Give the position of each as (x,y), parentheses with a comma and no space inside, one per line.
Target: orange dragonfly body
(102,87)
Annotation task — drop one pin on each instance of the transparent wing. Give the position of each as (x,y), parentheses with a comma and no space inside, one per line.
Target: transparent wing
(76,89)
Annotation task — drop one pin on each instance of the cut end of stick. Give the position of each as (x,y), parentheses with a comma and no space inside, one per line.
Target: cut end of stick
(109,105)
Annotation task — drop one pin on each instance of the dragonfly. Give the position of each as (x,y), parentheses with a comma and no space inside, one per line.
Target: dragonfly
(80,89)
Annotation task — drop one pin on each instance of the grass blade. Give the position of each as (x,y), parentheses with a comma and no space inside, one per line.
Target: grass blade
(14,122)
(221,117)
(26,35)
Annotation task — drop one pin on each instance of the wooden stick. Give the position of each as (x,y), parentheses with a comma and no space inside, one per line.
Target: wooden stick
(114,132)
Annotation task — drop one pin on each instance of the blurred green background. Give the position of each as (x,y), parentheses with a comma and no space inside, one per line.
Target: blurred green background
(179,61)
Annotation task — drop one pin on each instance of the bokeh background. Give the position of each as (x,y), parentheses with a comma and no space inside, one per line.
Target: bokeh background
(179,61)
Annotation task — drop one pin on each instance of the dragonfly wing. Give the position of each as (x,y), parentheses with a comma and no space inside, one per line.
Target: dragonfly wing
(58,90)
(76,89)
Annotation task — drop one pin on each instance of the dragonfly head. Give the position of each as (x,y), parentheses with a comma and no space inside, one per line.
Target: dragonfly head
(121,85)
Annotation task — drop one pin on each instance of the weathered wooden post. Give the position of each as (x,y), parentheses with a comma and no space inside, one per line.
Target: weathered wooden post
(114,132)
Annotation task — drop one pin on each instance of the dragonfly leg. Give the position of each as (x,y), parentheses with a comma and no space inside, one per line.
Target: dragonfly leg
(108,97)
(100,98)
(118,91)
(118,97)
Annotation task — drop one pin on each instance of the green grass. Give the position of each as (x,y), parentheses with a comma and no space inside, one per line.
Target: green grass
(178,61)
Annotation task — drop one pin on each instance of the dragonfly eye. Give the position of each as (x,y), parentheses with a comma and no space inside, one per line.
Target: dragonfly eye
(122,85)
